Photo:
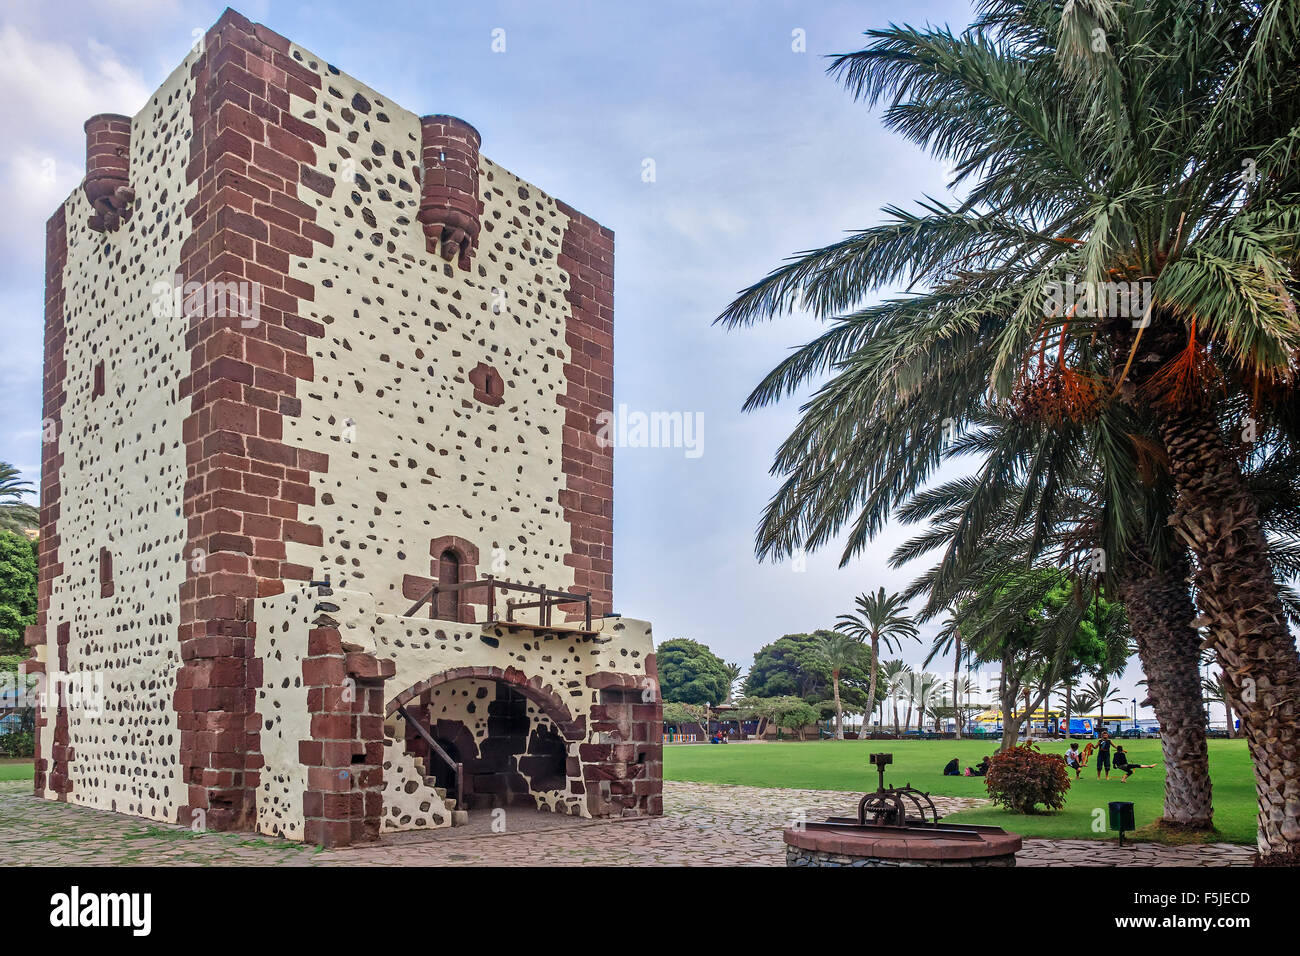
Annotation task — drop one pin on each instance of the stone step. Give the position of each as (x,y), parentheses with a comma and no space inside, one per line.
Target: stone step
(448,802)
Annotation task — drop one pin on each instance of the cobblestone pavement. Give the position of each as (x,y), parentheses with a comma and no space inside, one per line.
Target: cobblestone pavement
(702,825)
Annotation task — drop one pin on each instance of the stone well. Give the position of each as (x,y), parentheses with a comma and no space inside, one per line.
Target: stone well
(844,842)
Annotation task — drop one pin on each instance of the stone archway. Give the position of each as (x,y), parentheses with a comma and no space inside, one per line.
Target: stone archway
(515,738)
(542,695)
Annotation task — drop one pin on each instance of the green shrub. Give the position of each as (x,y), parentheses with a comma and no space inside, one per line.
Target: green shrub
(21,743)
(1021,778)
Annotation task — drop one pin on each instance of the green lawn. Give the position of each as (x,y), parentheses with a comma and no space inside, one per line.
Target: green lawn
(20,768)
(842,765)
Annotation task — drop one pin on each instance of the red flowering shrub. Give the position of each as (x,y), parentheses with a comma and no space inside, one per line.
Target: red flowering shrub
(1022,778)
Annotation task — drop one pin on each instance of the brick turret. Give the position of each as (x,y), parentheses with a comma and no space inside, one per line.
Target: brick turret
(449,202)
(108,170)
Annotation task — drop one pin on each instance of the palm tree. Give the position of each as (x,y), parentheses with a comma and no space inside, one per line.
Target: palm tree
(925,686)
(1100,691)
(1069,705)
(895,673)
(964,687)
(734,671)
(909,693)
(1216,689)
(1084,701)
(15,514)
(1029,504)
(839,651)
(1088,162)
(880,618)
(949,637)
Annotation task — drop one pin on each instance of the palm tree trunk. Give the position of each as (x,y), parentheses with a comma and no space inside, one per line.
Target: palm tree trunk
(871,686)
(956,682)
(1217,519)
(896,715)
(1160,616)
(839,710)
(1069,703)
(1010,727)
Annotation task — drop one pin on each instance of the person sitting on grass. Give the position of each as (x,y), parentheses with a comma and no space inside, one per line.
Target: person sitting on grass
(980,769)
(1121,763)
(1074,760)
(952,768)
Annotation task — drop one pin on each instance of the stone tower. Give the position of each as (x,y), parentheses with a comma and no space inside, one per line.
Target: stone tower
(310,361)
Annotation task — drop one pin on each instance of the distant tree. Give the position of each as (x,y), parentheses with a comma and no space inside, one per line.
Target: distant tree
(878,619)
(15,513)
(1104,692)
(838,652)
(791,667)
(1216,689)
(786,711)
(17,590)
(764,710)
(734,671)
(894,675)
(796,714)
(690,673)
(676,714)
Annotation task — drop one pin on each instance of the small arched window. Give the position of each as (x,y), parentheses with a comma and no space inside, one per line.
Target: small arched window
(105,573)
(449,602)
(489,386)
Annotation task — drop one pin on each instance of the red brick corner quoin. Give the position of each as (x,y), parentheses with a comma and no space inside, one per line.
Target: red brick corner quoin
(243,483)
(587,255)
(54,395)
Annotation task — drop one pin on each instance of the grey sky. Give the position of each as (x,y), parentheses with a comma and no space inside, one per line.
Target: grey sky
(757,155)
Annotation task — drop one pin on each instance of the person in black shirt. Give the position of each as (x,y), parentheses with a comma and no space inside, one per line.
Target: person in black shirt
(1121,763)
(1103,754)
(952,768)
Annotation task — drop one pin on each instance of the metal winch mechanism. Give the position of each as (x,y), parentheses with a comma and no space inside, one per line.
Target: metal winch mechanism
(903,806)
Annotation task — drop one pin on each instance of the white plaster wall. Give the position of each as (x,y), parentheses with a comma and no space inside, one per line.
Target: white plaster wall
(282,624)
(123,476)
(403,329)
(409,803)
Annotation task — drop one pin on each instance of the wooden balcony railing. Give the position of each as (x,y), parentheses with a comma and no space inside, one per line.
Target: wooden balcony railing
(546,600)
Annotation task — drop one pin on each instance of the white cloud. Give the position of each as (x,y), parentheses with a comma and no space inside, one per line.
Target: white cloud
(54,88)
(53,91)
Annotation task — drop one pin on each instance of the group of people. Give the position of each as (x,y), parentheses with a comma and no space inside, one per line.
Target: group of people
(953,768)
(1075,759)
(1078,759)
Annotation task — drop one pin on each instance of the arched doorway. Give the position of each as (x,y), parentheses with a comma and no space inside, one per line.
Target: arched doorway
(512,740)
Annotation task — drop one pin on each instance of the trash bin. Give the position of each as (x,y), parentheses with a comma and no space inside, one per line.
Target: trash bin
(1121,817)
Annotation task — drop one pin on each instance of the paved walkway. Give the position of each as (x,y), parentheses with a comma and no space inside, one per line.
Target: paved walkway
(702,825)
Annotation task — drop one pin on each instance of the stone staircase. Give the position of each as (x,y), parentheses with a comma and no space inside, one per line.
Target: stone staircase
(412,798)
(458,817)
